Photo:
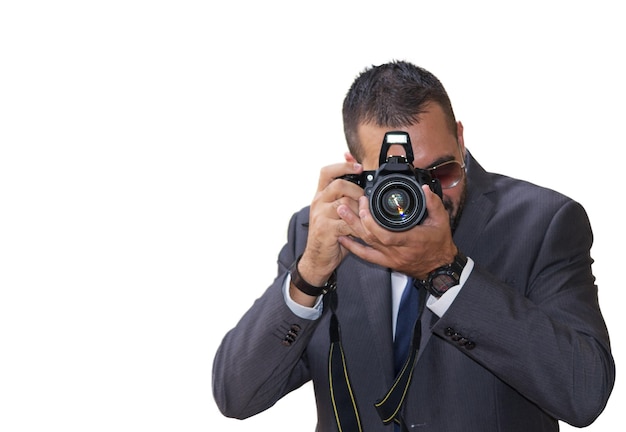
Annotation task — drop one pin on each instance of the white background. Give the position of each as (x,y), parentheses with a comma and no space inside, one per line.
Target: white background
(152,153)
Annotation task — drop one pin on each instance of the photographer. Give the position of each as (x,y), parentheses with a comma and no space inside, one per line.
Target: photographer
(479,314)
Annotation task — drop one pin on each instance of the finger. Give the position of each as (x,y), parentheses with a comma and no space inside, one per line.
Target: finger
(362,223)
(371,230)
(353,216)
(349,158)
(364,210)
(434,206)
(349,214)
(331,172)
(340,192)
(361,250)
(432,199)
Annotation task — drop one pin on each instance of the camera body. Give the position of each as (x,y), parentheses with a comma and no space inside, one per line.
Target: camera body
(397,201)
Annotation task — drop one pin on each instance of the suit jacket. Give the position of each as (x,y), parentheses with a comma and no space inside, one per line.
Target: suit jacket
(539,348)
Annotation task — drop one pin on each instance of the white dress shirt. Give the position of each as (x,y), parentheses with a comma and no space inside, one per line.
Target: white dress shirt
(439,306)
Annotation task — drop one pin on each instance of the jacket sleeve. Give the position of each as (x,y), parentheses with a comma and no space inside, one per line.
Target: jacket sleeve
(542,331)
(263,357)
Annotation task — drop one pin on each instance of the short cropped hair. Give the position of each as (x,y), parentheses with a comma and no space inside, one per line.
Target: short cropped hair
(391,95)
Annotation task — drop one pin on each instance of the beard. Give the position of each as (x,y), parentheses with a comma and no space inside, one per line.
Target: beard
(455,209)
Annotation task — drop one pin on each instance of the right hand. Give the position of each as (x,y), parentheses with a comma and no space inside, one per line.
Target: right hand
(323,253)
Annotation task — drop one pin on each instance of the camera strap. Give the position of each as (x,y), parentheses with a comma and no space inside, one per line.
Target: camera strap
(342,397)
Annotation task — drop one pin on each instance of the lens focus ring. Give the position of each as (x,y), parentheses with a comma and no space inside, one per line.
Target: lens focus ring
(398,203)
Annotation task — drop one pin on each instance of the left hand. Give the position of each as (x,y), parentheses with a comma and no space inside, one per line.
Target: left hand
(415,252)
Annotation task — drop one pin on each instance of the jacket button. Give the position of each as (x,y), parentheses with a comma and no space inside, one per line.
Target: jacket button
(291,335)
(449,331)
(470,345)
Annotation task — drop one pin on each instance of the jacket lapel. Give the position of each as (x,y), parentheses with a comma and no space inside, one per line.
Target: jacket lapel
(478,209)
(477,212)
(375,283)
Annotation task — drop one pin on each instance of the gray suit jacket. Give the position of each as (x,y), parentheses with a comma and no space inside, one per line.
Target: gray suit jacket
(540,347)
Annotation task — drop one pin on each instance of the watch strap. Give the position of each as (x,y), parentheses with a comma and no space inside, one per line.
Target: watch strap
(307,288)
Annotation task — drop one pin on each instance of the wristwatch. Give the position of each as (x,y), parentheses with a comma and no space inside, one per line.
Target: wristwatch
(443,278)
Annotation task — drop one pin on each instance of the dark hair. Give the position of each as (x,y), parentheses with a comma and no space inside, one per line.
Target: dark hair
(391,95)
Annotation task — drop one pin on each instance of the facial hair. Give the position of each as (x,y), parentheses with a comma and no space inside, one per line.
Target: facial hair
(455,211)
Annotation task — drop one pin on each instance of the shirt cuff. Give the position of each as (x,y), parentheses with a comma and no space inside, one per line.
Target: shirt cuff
(310,313)
(440,305)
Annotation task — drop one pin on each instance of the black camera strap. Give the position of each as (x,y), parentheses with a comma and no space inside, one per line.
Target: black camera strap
(342,397)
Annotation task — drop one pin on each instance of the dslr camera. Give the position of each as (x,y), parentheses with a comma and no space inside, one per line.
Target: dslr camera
(397,201)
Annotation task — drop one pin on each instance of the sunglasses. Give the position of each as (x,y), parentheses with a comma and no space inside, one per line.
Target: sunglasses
(448,173)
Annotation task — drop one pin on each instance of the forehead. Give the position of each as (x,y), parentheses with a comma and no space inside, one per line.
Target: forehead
(431,139)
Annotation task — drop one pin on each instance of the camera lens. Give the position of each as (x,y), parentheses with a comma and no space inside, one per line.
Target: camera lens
(398,203)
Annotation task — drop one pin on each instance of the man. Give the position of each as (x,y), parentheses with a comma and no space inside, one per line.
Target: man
(509,337)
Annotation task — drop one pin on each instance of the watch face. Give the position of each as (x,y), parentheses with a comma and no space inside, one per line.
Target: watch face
(442,279)
(443,282)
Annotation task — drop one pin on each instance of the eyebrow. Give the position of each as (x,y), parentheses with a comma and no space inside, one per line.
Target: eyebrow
(439,161)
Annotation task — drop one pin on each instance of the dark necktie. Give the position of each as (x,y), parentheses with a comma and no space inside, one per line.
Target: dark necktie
(407,314)
(407,341)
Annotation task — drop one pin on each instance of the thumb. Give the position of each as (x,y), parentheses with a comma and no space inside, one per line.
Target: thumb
(435,207)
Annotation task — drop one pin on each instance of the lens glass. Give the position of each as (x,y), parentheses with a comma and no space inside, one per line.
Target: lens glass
(396,203)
